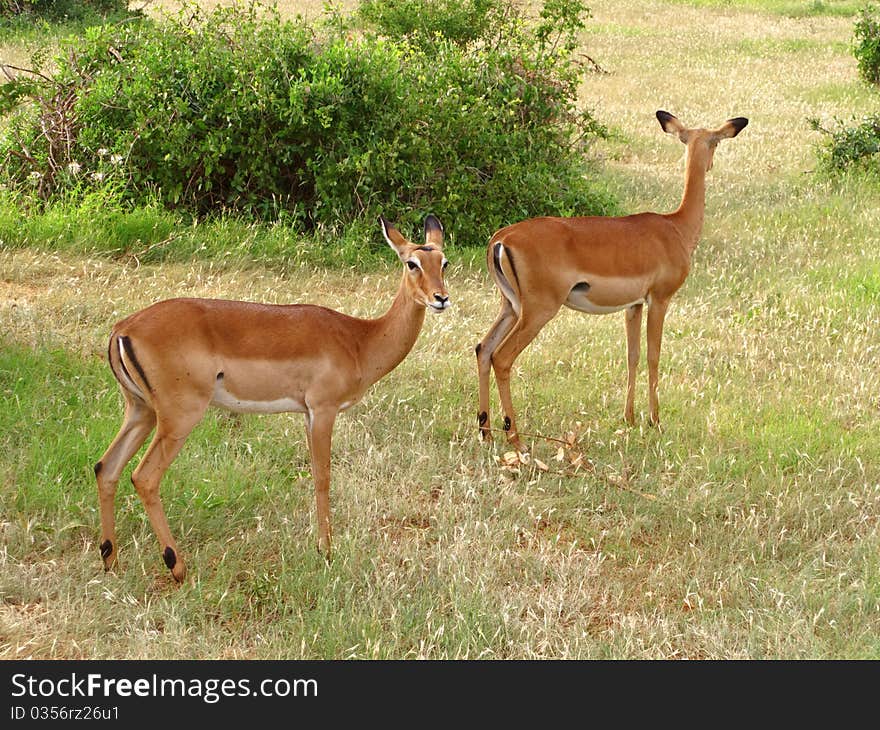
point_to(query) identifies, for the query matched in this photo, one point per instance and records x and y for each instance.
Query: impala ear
(671, 125)
(433, 231)
(393, 236)
(732, 127)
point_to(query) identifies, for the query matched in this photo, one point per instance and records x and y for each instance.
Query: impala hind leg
(319, 423)
(166, 445)
(521, 334)
(137, 424)
(485, 349)
(656, 315)
(633, 337)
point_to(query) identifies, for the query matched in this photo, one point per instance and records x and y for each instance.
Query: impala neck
(390, 338)
(689, 215)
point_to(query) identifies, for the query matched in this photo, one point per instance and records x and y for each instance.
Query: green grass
(29, 41)
(63, 18)
(790, 8)
(100, 226)
(746, 527)
(809, 47)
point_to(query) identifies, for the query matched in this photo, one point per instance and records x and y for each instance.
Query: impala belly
(604, 295)
(582, 304)
(224, 399)
(271, 386)
(261, 386)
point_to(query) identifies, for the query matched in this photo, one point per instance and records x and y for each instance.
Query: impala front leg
(633, 338)
(656, 315)
(320, 426)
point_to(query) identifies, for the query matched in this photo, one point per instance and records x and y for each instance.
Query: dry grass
(746, 528)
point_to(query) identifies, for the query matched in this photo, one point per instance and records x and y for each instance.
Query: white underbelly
(582, 304)
(224, 399)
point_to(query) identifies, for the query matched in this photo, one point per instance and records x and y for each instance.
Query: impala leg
(656, 315)
(523, 332)
(320, 427)
(633, 337)
(166, 445)
(485, 349)
(308, 416)
(137, 424)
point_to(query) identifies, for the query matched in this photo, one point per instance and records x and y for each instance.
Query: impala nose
(440, 301)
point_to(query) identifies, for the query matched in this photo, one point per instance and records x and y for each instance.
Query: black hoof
(106, 549)
(169, 557)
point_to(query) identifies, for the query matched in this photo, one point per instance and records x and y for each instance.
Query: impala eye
(412, 265)
(445, 264)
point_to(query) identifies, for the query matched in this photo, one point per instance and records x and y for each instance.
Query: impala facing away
(178, 357)
(598, 265)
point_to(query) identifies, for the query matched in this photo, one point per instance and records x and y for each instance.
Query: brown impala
(598, 265)
(178, 357)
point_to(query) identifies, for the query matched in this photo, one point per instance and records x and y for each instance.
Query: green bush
(855, 147)
(421, 21)
(866, 46)
(237, 110)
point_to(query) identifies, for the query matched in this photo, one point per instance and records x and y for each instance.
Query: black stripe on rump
(126, 344)
(124, 370)
(513, 269)
(497, 255)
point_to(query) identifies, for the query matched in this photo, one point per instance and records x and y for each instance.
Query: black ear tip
(432, 223)
(663, 116)
(383, 221)
(738, 124)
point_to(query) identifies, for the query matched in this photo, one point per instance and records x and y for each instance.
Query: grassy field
(747, 527)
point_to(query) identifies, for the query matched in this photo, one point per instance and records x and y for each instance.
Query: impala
(598, 265)
(176, 358)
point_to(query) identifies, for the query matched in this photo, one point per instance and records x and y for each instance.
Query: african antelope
(176, 358)
(598, 265)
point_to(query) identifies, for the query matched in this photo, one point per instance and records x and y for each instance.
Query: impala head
(701, 142)
(424, 264)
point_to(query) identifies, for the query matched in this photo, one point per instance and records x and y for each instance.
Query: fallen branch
(9, 76)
